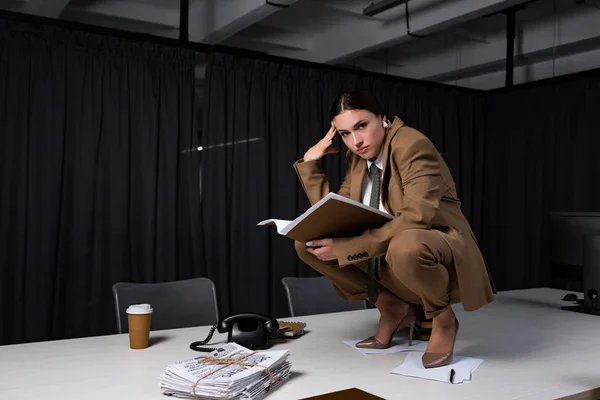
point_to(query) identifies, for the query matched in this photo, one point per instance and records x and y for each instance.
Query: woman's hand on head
(322, 249)
(322, 147)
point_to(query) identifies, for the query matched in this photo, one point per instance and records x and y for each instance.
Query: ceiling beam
(382, 6)
(213, 21)
(533, 72)
(576, 28)
(460, 33)
(373, 65)
(353, 37)
(264, 43)
(46, 8)
(144, 12)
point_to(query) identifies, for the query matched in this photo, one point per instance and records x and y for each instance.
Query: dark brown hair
(356, 100)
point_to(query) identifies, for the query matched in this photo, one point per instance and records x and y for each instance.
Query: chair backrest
(178, 304)
(315, 295)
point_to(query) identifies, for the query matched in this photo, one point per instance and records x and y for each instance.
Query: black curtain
(261, 116)
(95, 183)
(541, 156)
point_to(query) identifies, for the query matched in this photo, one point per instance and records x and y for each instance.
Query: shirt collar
(378, 161)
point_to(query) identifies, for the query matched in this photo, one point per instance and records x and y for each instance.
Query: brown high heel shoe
(434, 360)
(408, 319)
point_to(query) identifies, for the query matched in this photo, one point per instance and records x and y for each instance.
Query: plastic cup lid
(139, 309)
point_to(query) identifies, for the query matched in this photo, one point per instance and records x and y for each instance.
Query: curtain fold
(260, 117)
(542, 143)
(95, 186)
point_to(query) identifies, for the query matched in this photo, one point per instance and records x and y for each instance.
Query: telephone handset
(248, 330)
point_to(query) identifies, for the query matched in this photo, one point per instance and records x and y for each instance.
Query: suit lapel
(358, 174)
(386, 172)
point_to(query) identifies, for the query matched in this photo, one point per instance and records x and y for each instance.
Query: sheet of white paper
(279, 223)
(398, 345)
(413, 366)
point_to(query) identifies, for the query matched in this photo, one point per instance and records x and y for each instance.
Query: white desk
(531, 350)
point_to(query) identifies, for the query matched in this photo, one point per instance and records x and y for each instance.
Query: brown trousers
(418, 268)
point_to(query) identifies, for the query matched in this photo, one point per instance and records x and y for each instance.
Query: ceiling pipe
(184, 19)
(510, 46)
(511, 27)
(378, 8)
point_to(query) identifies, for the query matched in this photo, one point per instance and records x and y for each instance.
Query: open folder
(331, 217)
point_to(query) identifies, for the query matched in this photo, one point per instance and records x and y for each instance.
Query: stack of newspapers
(229, 372)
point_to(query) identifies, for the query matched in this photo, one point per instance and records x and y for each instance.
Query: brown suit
(419, 191)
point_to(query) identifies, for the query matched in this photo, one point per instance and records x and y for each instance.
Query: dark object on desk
(592, 298)
(248, 330)
(348, 394)
(290, 329)
(570, 297)
(574, 251)
(589, 305)
(575, 241)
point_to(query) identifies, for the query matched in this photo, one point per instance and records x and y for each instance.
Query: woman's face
(362, 131)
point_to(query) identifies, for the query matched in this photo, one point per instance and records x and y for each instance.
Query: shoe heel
(434, 360)
(411, 332)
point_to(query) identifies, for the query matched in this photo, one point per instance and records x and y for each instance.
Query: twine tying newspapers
(226, 363)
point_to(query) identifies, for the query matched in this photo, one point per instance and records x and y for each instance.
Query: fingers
(322, 146)
(326, 142)
(328, 138)
(321, 249)
(330, 133)
(325, 149)
(318, 252)
(320, 242)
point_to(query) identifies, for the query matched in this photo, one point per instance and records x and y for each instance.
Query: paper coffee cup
(139, 317)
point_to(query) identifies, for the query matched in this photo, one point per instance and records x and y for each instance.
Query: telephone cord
(195, 345)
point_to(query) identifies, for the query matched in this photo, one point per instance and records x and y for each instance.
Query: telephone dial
(248, 330)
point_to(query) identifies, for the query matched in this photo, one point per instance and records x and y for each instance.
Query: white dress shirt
(367, 184)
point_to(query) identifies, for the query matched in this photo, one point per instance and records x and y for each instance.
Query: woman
(426, 257)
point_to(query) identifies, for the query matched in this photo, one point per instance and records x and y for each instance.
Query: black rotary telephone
(248, 330)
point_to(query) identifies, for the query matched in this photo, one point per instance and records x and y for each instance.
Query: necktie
(374, 271)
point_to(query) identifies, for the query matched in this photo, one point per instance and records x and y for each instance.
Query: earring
(385, 124)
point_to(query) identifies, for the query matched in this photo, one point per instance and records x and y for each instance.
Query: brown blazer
(419, 191)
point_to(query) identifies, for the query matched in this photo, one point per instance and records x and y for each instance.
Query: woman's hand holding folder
(322, 249)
